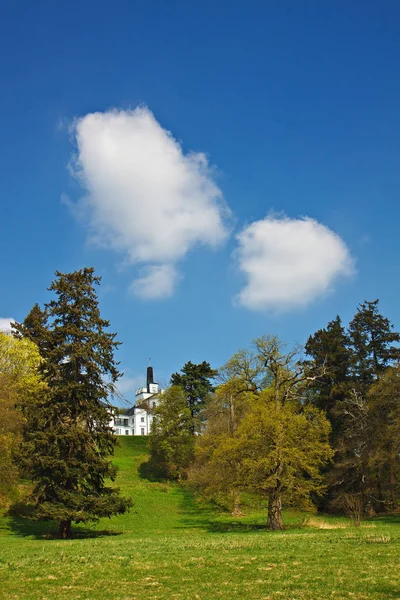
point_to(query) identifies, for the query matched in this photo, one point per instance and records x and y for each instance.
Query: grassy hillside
(167, 548)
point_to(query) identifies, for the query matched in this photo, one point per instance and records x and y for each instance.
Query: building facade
(138, 419)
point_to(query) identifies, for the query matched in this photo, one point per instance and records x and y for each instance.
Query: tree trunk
(236, 512)
(65, 529)
(274, 521)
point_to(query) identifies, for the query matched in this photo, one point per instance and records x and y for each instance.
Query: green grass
(168, 548)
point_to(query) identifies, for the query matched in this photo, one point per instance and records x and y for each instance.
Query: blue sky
(270, 207)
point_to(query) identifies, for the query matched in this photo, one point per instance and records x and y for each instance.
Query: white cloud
(128, 384)
(146, 198)
(289, 262)
(158, 281)
(5, 324)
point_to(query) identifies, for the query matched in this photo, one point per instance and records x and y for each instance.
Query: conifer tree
(372, 341)
(329, 347)
(68, 440)
(34, 327)
(195, 379)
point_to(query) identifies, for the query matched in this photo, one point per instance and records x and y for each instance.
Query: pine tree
(329, 347)
(195, 379)
(34, 327)
(372, 338)
(68, 440)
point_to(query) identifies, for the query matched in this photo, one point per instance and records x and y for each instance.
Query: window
(154, 404)
(126, 422)
(117, 432)
(142, 419)
(142, 431)
(126, 431)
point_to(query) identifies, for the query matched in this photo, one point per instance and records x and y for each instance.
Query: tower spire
(149, 378)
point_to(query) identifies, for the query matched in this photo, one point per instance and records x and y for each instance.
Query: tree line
(314, 426)
(317, 426)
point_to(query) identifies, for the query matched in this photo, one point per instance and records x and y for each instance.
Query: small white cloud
(128, 384)
(145, 197)
(158, 281)
(289, 262)
(5, 324)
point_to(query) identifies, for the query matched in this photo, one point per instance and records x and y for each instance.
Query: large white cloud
(5, 324)
(145, 197)
(289, 262)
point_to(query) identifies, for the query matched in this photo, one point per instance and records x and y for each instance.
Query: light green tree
(20, 384)
(282, 448)
(215, 472)
(171, 438)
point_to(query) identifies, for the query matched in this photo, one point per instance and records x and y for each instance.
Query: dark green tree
(34, 327)
(355, 361)
(328, 348)
(373, 342)
(384, 455)
(67, 439)
(195, 379)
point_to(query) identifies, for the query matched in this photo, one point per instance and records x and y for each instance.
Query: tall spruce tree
(68, 440)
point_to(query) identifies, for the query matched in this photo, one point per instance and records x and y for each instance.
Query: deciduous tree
(282, 448)
(171, 438)
(20, 384)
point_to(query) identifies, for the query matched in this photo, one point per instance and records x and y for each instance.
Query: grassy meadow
(167, 547)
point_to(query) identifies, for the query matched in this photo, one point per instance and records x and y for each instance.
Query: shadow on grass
(390, 519)
(151, 472)
(48, 530)
(387, 592)
(210, 520)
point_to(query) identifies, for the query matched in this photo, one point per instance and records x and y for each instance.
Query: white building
(137, 420)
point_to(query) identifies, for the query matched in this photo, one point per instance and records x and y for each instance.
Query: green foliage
(67, 438)
(20, 384)
(34, 328)
(266, 441)
(195, 379)
(215, 473)
(356, 405)
(372, 338)
(328, 348)
(384, 454)
(171, 438)
(281, 448)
